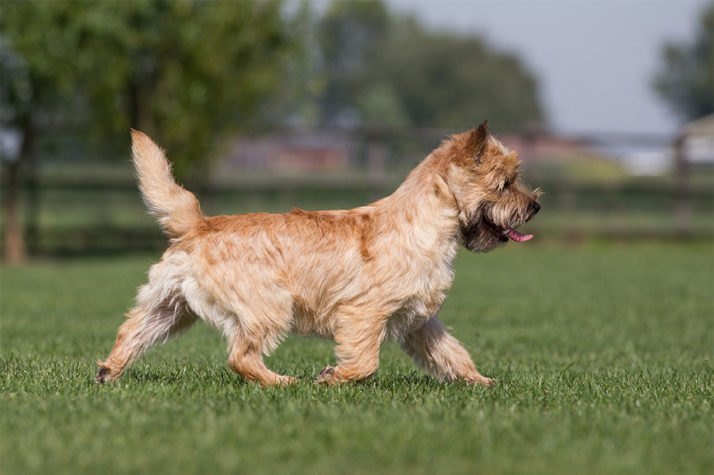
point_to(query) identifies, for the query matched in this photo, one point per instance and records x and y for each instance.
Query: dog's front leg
(359, 339)
(441, 355)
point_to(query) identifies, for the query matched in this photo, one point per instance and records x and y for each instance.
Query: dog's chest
(430, 282)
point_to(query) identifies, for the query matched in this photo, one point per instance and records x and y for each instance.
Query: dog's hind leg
(161, 311)
(441, 355)
(143, 328)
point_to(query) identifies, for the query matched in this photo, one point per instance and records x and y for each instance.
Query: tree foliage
(455, 81)
(686, 77)
(349, 34)
(388, 70)
(183, 70)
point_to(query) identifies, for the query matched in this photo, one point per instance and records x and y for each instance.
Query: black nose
(535, 206)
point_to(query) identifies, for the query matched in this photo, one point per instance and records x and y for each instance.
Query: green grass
(603, 356)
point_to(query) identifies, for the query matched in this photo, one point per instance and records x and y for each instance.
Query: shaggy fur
(357, 276)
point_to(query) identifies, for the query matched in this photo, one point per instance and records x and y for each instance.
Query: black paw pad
(99, 379)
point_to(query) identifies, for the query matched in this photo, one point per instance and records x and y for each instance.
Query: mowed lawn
(603, 355)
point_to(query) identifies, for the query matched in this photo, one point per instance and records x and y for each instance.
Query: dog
(357, 276)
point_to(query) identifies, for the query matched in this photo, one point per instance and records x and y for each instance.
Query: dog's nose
(535, 206)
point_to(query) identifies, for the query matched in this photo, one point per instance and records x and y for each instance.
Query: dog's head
(482, 175)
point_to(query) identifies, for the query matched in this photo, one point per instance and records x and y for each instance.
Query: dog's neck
(424, 203)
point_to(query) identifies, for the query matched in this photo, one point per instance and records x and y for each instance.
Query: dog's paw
(326, 376)
(480, 380)
(283, 380)
(488, 382)
(104, 374)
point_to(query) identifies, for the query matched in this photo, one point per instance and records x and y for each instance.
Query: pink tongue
(518, 237)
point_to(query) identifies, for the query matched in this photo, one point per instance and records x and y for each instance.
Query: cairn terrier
(357, 276)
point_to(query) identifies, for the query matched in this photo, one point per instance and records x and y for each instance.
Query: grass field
(603, 355)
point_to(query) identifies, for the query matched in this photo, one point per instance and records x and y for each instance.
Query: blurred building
(696, 142)
(302, 151)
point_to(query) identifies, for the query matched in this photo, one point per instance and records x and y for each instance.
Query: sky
(594, 59)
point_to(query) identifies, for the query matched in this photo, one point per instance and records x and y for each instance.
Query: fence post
(682, 211)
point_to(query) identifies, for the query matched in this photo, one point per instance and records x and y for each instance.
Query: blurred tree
(350, 34)
(184, 71)
(385, 70)
(379, 105)
(686, 77)
(449, 80)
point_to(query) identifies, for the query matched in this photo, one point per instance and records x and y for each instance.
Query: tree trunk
(32, 202)
(13, 250)
(14, 247)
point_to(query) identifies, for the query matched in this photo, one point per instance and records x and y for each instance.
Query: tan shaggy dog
(357, 276)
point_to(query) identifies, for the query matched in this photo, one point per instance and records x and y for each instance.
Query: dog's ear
(476, 139)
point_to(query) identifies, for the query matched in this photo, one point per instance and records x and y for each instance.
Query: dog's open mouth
(518, 237)
(483, 226)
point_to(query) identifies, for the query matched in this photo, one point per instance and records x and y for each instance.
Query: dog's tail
(176, 208)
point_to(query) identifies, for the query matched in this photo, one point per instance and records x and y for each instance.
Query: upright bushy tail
(176, 209)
